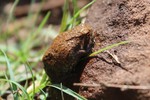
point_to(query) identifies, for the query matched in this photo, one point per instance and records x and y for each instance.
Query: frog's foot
(82, 53)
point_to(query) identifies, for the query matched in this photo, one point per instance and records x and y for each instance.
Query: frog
(67, 50)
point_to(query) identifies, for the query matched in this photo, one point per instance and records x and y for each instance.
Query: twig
(117, 62)
(122, 87)
(114, 57)
(24, 9)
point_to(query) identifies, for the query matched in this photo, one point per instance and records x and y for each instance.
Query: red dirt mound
(115, 21)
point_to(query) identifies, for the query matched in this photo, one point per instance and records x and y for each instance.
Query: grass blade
(81, 10)
(16, 84)
(68, 91)
(11, 74)
(44, 78)
(27, 44)
(65, 16)
(10, 70)
(108, 47)
(39, 85)
(33, 80)
(75, 10)
(45, 95)
(12, 10)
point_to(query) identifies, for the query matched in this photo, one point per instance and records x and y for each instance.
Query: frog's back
(62, 54)
(61, 42)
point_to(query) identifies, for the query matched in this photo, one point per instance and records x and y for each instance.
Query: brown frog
(67, 49)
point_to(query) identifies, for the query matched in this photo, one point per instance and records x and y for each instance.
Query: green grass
(27, 82)
(19, 55)
(108, 47)
(68, 91)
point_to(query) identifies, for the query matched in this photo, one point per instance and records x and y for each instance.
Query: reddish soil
(115, 21)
